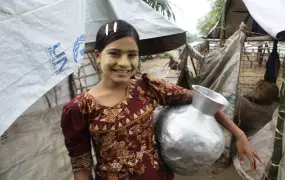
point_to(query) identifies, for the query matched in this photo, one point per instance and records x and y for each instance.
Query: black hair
(113, 31)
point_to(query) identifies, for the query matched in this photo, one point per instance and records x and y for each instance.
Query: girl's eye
(114, 54)
(133, 55)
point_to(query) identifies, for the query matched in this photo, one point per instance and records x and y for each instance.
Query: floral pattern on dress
(123, 136)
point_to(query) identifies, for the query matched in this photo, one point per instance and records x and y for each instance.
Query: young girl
(116, 115)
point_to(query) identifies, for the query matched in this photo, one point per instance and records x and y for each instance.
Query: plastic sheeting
(149, 23)
(269, 15)
(263, 143)
(219, 72)
(42, 43)
(157, 34)
(281, 172)
(33, 148)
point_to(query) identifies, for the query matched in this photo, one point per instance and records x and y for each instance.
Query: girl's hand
(244, 148)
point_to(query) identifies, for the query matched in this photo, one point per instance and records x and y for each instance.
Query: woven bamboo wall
(86, 76)
(253, 67)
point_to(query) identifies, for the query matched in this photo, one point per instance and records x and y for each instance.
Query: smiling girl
(116, 115)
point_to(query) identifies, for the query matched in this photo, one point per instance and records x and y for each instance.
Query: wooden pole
(248, 39)
(194, 67)
(223, 25)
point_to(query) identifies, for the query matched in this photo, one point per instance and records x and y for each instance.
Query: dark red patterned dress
(123, 135)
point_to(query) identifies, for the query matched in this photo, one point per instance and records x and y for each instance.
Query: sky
(187, 12)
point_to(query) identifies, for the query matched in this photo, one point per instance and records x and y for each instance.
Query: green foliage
(207, 22)
(161, 6)
(191, 37)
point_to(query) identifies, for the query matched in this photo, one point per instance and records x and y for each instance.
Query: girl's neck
(111, 85)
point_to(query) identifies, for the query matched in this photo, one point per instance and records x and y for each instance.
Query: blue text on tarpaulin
(58, 60)
(80, 40)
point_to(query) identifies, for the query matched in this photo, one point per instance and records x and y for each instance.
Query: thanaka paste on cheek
(107, 64)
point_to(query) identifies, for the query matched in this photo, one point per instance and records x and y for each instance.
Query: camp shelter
(263, 25)
(261, 18)
(43, 43)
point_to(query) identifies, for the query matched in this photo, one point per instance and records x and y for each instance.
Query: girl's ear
(97, 56)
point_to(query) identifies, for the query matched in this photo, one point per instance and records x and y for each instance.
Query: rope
(279, 138)
(277, 130)
(280, 117)
(275, 165)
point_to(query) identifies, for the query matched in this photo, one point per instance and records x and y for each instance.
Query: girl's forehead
(124, 44)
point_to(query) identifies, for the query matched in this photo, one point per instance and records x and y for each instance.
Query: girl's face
(119, 60)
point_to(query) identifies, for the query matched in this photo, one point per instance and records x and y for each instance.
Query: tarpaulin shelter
(157, 34)
(40, 36)
(42, 43)
(261, 18)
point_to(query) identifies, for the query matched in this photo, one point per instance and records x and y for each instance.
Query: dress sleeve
(167, 93)
(76, 137)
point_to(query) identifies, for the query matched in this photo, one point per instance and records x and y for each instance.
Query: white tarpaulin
(263, 142)
(33, 147)
(219, 72)
(269, 14)
(149, 23)
(42, 42)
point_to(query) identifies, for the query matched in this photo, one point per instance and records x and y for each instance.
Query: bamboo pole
(248, 39)
(72, 86)
(278, 142)
(223, 25)
(259, 38)
(194, 67)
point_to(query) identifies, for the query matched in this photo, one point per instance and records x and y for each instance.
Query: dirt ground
(155, 67)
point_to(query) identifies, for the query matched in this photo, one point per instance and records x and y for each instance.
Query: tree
(161, 6)
(191, 37)
(207, 22)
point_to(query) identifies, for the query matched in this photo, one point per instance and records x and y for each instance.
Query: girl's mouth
(121, 71)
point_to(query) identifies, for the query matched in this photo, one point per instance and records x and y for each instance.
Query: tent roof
(266, 16)
(47, 38)
(156, 32)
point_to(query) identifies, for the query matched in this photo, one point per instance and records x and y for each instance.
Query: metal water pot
(189, 137)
